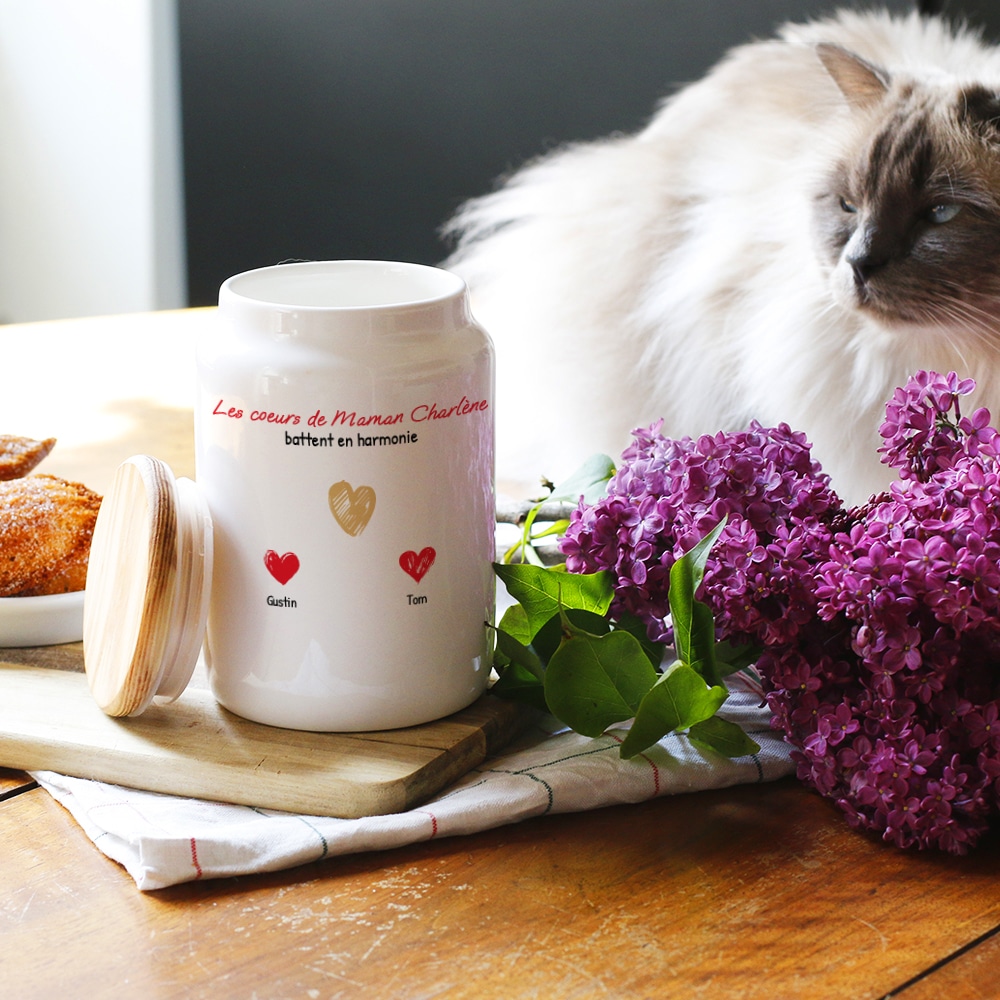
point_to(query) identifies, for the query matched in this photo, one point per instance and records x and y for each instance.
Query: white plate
(41, 621)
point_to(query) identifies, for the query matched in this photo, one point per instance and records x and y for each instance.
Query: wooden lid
(148, 585)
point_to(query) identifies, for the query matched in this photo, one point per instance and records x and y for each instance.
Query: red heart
(417, 564)
(282, 568)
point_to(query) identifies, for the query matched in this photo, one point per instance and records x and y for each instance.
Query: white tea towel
(162, 840)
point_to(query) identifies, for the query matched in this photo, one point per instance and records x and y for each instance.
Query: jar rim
(344, 285)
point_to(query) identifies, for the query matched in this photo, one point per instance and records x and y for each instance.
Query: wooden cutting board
(193, 747)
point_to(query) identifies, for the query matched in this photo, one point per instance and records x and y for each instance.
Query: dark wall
(353, 128)
(984, 14)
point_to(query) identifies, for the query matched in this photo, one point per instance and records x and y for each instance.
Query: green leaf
(573, 621)
(723, 737)
(526, 545)
(589, 481)
(541, 592)
(555, 528)
(689, 622)
(592, 683)
(702, 642)
(517, 652)
(518, 684)
(679, 699)
(730, 658)
(579, 621)
(515, 623)
(629, 623)
(527, 553)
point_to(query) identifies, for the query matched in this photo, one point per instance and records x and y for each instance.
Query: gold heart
(353, 508)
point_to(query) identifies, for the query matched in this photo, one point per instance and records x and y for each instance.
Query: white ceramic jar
(344, 446)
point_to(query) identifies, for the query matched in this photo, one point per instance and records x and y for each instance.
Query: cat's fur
(777, 244)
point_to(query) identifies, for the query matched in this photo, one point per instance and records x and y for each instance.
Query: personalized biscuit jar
(339, 537)
(344, 447)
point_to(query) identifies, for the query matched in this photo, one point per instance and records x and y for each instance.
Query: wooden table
(758, 891)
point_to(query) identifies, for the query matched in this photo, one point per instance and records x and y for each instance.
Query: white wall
(91, 201)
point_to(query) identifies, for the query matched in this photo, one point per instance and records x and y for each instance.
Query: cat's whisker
(954, 320)
(975, 319)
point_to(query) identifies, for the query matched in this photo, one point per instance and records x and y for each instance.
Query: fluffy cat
(788, 240)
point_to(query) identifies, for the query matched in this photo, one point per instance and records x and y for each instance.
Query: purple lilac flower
(879, 626)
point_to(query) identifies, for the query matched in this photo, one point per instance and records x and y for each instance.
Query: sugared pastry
(19, 455)
(46, 524)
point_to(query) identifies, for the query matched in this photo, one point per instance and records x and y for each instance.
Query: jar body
(344, 443)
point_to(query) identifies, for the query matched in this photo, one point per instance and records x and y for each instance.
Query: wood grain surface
(972, 974)
(12, 782)
(757, 893)
(193, 747)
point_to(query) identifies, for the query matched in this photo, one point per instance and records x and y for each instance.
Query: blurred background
(151, 148)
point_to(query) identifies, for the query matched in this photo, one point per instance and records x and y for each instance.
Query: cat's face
(909, 218)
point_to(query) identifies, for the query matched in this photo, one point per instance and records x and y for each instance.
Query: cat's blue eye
(940, 214)
(848, 206)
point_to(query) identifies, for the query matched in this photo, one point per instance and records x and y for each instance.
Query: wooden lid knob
(148, 587)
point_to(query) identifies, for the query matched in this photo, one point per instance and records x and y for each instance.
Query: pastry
(19, 455)
(46, 524)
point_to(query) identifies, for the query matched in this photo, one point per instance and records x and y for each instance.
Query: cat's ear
(863, 84)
